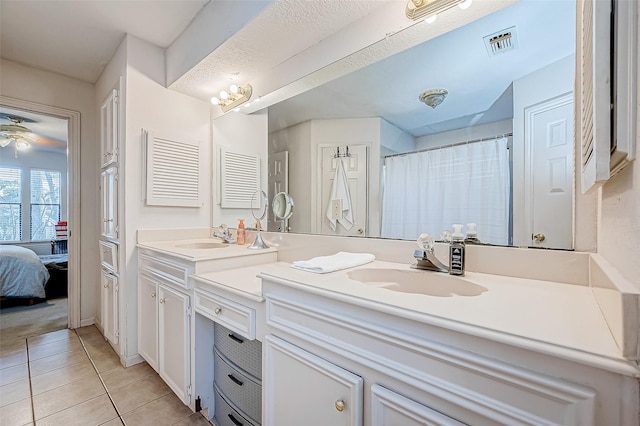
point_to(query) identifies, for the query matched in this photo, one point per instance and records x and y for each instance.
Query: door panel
(148, 320)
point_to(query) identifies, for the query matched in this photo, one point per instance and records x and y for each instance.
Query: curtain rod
(504, 135)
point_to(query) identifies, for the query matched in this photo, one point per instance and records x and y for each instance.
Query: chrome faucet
(224, 234)
(426, 258)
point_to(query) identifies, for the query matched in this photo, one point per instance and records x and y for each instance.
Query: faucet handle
(426, 242)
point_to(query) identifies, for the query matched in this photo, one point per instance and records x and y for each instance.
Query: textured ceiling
(78, 38)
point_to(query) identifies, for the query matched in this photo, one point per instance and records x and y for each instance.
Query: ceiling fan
(20, 135)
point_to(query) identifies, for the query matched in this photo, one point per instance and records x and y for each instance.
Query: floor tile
(97, 349)
(12, 345)
(14, 392)
(13, 374)
(54, 336)
(114, 422)
(53, 348)
(119, 377)
(95, 411)
(62, 376)
(139, 393)
(18, 413)
(11, 359)
(106, 362)
(93, 338)
(66, 396)
(167, 410)
(88, 330)
(53, 362)
(196, 419)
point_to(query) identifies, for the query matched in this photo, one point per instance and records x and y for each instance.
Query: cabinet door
(109, 129)
(391, 409)
(148, 320)
(302, 388)
(109, 210)
(174, 344)
(109, 303)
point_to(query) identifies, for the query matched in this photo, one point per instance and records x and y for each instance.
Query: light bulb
(224, 95)
(431, 19)
(465, 4)
(233, 88)
(215, 101)
(21, 145)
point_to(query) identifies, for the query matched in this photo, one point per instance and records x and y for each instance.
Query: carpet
(20, 322)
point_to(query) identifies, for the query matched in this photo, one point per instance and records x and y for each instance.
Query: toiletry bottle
(240, 238)
(456, 251)
(472, 235)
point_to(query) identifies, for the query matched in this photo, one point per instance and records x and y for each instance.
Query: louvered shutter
(239, 179)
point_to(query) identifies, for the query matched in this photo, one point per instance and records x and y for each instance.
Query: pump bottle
(240, 238)
(457, 251)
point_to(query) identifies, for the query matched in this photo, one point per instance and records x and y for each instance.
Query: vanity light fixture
(418, 9)
(232, 99)
(433, 97)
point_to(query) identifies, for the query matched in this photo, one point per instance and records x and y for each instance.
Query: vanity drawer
(109, 256)
(174, 273)
(226, 415)
(236, 317)
(246, 354)
(239, 389)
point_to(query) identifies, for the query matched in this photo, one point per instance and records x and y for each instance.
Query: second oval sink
(202, 246)
(421, 282)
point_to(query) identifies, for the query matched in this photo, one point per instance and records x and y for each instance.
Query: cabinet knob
(217, 311)
(153, 295)
(106, 285)
(340, 405)
(539, 237)
(161, 300)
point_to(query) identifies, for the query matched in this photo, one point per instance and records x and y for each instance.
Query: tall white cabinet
(109, 224)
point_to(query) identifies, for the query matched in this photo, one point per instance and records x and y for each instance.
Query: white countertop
(527, 313)
(194, 254)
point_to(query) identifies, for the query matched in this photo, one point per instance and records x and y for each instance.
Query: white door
(391, 409)
(549, 177)
(355, 167)
(148, 320)
(173, 341)
(109, 187)
(109, 304)
(278, 182)
(109, 129)
(303, 389)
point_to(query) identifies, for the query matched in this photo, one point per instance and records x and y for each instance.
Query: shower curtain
(431, 190)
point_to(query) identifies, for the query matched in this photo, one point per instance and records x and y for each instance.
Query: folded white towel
(335, 262)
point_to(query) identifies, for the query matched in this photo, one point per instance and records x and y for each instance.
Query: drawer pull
(153, 295)
(340, 405)
(234, 380)
(161, 300)
(235, 339)
(217, 311)
(234, 420)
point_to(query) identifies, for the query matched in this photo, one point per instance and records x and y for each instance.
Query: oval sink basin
(420, 282)
(202, 246)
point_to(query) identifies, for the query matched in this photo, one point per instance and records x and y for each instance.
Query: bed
(22, 273)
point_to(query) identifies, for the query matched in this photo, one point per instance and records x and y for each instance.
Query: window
(10, 205)
(45, 204)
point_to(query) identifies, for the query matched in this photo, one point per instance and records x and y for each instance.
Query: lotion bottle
(456, 251)
(240, 238)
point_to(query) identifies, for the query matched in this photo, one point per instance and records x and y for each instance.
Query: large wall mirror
(474, 126)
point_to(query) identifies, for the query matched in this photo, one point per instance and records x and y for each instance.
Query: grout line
(99, 377)
(33, 410)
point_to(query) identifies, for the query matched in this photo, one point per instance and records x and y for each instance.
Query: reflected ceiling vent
(501, 41)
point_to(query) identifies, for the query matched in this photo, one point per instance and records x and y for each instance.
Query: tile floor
(75, 378)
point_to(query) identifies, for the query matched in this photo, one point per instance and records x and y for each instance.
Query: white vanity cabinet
(109, 304)
(109, 203)
(164, 322)
(413, 373)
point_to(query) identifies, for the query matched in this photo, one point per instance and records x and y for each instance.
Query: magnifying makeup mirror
(259, 212)
(282, 206)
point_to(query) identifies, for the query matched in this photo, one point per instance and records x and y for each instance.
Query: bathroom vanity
(254, 341)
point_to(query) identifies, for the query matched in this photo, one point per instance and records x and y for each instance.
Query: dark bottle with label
(457, 252)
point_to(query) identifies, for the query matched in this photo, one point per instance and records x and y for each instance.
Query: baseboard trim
(87, 322)
(131, 360)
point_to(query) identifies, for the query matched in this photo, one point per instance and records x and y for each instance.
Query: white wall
(245, 134)
(468, 133)
(43, 87)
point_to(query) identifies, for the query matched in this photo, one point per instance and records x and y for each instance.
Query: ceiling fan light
(22, 145)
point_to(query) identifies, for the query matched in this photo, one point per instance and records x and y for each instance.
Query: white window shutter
(173, 172)
(595, 95)
(239, 179)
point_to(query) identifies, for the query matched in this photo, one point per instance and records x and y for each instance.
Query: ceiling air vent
(501, 41)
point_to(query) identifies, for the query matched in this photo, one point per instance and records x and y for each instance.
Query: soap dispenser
(472, 234)
(240, 237)
(456, 251)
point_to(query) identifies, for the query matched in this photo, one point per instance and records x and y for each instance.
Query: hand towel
(340, 190)
(335, 262)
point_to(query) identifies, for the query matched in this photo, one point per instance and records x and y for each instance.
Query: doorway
(70, 210)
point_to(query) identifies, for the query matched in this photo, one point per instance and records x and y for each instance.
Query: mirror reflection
(472, 126)
(282, 207)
